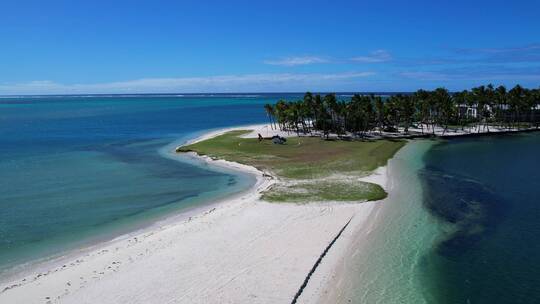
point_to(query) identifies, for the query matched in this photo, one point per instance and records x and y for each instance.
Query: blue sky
(55, 47)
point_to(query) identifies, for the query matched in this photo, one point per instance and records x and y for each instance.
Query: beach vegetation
(310, 169)
(434, 112)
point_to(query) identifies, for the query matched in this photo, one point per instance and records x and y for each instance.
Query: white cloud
(374, 57)
(477, 72)
(425, 75)
(225, 83)
(293, 61)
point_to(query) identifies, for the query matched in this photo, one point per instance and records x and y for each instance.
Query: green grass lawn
(312, 169)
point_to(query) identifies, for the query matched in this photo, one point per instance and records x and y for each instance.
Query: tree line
(474, 110)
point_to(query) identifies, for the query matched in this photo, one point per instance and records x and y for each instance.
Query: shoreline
(42, 265)
(30, 267)
(81, 278)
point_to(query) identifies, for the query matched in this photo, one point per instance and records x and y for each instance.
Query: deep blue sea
(79, 169)
(487, 193)
(461, 225)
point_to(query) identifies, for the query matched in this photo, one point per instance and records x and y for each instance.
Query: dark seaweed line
(491, 133)
(306, 280)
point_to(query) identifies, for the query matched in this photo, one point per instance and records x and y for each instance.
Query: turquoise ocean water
(79, 169)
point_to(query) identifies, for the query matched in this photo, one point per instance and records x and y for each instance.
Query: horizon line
(209, 93)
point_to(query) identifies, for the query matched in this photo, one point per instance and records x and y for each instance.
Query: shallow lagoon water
(381, 264)
(460, 226)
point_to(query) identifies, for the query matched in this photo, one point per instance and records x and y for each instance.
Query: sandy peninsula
(239, 250)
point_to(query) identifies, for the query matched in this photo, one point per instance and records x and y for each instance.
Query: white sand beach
(240, 250)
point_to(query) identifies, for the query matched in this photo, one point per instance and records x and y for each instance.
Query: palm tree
(536, 105)
(330, 102)
(406, 108)
(293, 115)
(307, 112)
(423, 108)
(529, 104)
(501, 108)
(444, 107)
(270, 113)
(480, 96)
(472, 104)
(364, 114)
(280, 111)
(379, 112)
(488, 106)
(515, 98)
(460, 100)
